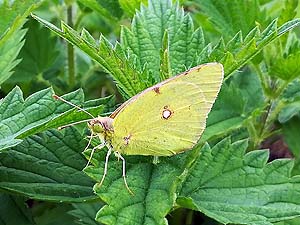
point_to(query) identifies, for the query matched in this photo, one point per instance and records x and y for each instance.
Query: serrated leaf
(9, 51)
(145, 38)
(112, 59)
(13, 16)
(40, 112)
(232, 187)
(85, 213)
(13, 210)
(19, 116)
(285, 64)
(37, 59)
(232, 59)
(230, 17)
(289, 11)
(153, 185)
(48, 167)
(140, 48)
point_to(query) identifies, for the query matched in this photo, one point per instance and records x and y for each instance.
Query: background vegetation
(239, 173)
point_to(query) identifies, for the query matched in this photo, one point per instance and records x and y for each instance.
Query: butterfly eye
(96, 127)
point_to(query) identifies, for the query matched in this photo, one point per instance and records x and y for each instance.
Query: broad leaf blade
(86, 212)
(13, 211)
(37, 113)
(235, 188)
(47, 167)
(153, 185)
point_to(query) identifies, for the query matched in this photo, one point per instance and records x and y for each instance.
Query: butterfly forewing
(169, 117)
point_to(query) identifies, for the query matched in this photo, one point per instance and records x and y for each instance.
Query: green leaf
(130, 6)
(47, 167)
(153, 185)
(50, 214)
(112, 6)
(295, 221)
(39, 112)
(238, 51)
(227, 113)
(291, 134)
(292, 91)
(145, 38)
(232, 187)
(37, 59)
(288, 111)
(9, 51)
(135, 63)
(285, 65)
(230, 112)
(85, 213)
(19, 116)
(13, 16)
(13, 210)
(230, 17)
(288, 12)
(112, 59)
(97, 5)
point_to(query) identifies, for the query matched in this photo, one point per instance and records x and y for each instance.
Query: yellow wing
(169, 117)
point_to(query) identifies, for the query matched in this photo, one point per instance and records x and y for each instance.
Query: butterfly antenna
(71, 124)
(70, 103)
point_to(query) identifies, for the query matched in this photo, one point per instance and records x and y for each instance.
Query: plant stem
(70, 48)
(262, 78)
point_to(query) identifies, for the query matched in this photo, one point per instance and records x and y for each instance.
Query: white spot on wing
(166, 114)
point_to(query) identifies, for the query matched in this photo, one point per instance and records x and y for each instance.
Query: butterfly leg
(105, 166)
(124, 171)
(93, 150)
(90, 140)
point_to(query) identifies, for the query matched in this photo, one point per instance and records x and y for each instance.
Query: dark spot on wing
(199, 69)
(126, 139)
(156, 89)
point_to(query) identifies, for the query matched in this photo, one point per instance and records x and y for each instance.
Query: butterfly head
(101, 125)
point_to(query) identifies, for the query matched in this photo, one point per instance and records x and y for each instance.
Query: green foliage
(245, 191)
(230, 17)
(224, 177)
(47, 172)
(13, 16)
(13, 211)
(86, 212)
(291, 134)
(38, 53)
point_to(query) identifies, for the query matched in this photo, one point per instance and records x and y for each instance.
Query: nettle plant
(229, 176)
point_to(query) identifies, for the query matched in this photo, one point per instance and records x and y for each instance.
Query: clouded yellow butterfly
(163, 120)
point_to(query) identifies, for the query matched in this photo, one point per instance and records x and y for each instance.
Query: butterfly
(163, 120)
